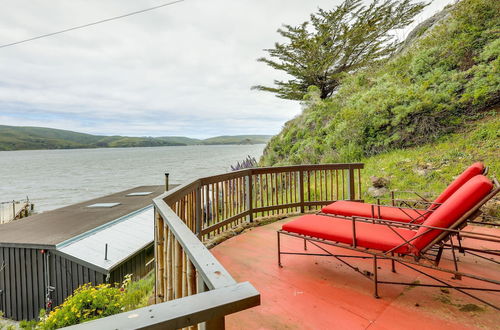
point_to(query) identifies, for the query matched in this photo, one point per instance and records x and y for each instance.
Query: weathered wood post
(213, 324)
(198, 212)
(177, 270)
(170, 266)
(166, 263)
(156, 255)
(248, 193)
(159, 257)
(350, 184)
(301, 191)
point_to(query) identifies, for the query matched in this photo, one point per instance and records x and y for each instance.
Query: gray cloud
(186, 69)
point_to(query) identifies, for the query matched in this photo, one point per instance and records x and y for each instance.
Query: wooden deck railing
(209, 206)
(212, 205)
(192, 287)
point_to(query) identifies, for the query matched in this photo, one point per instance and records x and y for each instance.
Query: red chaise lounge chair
(397, 241)
(404, 214)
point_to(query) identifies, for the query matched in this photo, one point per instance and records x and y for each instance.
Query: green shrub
(86, 303)
(90, 302)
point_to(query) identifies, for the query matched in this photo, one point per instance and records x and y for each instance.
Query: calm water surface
(56, 178)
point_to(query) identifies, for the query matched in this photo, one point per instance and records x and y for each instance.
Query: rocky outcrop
(425, 27)
(379, 186)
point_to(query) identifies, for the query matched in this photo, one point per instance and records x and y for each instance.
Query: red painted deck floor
(321, 293)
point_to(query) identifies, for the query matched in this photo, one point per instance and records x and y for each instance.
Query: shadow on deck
(321, 293)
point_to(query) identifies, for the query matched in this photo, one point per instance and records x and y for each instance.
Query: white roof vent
(140, 193)
(106, 205)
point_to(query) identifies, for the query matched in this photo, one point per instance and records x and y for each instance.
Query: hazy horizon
(115, 134)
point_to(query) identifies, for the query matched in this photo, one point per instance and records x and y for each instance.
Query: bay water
(57, 178)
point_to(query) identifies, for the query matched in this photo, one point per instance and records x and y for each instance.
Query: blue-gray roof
(125, 236)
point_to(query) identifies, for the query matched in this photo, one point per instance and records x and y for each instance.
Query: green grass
(139, 292)
(446, 158)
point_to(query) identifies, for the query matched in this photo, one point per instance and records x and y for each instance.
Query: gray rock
(379, 182)
(424, 169)
(377, 192)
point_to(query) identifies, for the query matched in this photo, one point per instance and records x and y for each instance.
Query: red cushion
(349, 208)
(453, 208)
(472, 171)
(378, 237)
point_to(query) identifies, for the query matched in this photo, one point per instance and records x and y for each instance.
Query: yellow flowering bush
(86, 303)
(90, 302)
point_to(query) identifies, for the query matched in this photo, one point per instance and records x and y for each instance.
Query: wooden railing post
(156, 215)
(215, 324)
(198, 212)
(350, 184)
(177, 270)
(249, 199)
(301, 191)
(159, 258)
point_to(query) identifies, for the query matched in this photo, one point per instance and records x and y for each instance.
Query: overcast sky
(184, 69)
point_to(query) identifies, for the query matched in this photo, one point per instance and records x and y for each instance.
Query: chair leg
(279, 251)
(305, 244)
(375, 277)
(455, 264)
(393, 263)
(438, 256)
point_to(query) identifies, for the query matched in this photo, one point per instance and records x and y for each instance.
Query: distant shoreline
(131, 147)
(16, 138)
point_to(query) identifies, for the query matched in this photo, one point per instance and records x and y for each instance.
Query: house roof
(124, 237)
(48, 229)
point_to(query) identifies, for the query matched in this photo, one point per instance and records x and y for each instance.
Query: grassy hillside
(181, 140)
(238, 139)
(16, 138)
(22, 138)
(441, 81)
(430, 168)
(30, 138)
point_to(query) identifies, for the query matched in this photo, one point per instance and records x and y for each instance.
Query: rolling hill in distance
(35, 138)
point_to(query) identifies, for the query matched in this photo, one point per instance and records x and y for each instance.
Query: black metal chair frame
(410, 204)
(429, 257)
